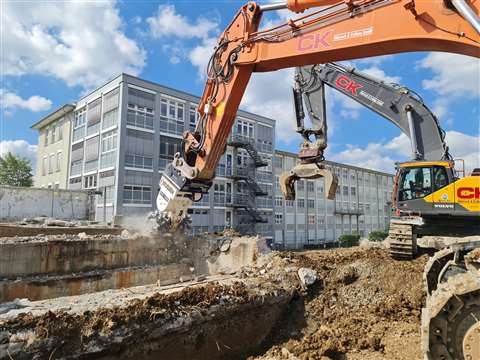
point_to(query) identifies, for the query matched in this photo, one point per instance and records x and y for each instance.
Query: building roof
(333, 163)
(53, 116)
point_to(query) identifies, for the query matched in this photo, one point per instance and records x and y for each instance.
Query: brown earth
(364, 306)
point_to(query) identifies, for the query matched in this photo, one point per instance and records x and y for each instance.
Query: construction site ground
(363, 305)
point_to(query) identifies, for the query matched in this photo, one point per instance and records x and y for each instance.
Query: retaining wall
(17, 203)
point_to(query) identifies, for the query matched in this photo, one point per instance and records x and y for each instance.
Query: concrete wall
(17, 203)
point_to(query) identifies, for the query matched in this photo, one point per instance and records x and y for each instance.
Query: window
(278, 162)
(59, 161)
(76, 180)
(245, 128)
(311, 219)
(219, 194)
(46, 138)
(289, 203)
(138, 161)
(140, 118)
(60, 132)
(172, 116)
(91, 165)
(311, 204)
(90, 182)
(140, 99)
(301, 203)
(52, 135)
(278, 219)
(345, 190)
(51, 163)
(278, 201)
(168, 147)
(415, 183)
(80, 118)
(76, 167)
(300, 185)
(109, 141)
(193, 115)
(440, 177)
(110, 118)
(310, 186)
(353, 191)
(133, 194)
(44, 165)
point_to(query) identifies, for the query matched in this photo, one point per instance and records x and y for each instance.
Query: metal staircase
(246, 143)
(245, 203)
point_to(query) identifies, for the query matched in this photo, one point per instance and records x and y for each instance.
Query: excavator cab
(422, 187)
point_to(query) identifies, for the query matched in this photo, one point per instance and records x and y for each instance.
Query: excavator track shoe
(451, 319)
(402, 241)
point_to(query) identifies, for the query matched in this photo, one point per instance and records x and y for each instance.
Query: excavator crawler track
(402, 241)
(451, 319)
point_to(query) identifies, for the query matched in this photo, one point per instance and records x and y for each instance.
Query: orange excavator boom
(332, 31)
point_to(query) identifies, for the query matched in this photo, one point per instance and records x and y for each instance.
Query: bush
(377, 235)
(349, 240)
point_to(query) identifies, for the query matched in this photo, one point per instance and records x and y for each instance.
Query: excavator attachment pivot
(308, 171)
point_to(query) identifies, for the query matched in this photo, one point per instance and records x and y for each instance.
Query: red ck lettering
(347, 84)
(468, 193)
(313, 41)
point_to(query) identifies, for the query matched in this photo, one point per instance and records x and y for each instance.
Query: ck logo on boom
(468, 193)
(348, 85)
(313, 41)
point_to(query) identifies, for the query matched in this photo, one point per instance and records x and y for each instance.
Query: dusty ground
(364, 306)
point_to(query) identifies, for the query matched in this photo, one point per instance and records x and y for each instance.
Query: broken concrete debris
(307, 276)
(245, 302)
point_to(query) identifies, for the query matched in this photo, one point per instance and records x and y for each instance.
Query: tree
(15, 171)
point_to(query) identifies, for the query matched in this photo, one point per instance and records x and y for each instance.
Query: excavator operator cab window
(440, 177)
(416, 183)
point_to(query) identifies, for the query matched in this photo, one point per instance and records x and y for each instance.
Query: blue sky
(53, 52)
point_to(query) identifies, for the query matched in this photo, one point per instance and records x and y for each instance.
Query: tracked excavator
(335, 30)
(430, 196)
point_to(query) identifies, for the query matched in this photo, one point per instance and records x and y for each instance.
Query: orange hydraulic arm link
(340, 30)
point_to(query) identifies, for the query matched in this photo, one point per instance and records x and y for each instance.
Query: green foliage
(377, 235)
(349, 240)
(15, 171)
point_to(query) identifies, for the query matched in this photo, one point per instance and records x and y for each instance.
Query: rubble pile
(333, 304)
(364, 305)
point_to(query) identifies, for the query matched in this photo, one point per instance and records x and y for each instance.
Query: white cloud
(456, 77)
(20, 148)
(379, 74)
(270, 94)
(11, 101)
(466, 147)
(383, 155)
(167, 22)
(169, 25)
(80, 43)
(200, 55)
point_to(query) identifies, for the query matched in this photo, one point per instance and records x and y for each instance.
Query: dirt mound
(365, 306)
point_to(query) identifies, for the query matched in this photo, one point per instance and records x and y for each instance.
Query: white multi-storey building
(362, 204)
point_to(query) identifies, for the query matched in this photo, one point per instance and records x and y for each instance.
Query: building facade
(127, 131)
(54, 148)
(362, 204)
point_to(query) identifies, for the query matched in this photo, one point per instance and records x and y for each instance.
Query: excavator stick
(308, 171)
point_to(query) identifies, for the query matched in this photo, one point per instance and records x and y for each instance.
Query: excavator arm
(398, 104)
(339, 30)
